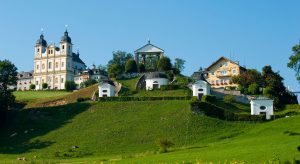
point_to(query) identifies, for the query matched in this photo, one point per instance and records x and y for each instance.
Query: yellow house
(220, 73)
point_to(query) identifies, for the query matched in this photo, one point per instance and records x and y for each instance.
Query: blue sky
(255, 32)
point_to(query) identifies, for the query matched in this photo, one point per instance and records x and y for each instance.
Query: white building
(156, 79)
(95, 74)
(200, 88)
(25, 79)
(262, 105)
(106, 89)
(55, 65)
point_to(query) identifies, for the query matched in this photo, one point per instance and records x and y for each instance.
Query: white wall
(258, 103)
(110, 90)
(201, 85)
(161, 81)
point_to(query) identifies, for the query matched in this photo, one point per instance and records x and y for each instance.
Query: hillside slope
(109, 129)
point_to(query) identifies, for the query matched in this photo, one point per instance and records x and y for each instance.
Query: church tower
(40, 47)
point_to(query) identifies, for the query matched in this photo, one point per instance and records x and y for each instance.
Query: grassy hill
(47, 98)
(126, 132)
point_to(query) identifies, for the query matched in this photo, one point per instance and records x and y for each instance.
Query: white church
(55, 65)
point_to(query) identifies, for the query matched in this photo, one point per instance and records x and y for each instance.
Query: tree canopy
(294, 61)
(271, 82)
(179, 64)
(164, 64)
(8, 77)
(131, 66)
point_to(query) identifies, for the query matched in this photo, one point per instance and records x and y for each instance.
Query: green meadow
(126, 132)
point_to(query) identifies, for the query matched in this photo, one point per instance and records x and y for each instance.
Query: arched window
(63, 47)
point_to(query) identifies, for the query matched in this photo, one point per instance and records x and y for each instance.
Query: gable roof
(224, 58)
(77, 59)
(149, 48)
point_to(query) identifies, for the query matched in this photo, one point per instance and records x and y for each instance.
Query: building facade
(25, 79)
(220, 73)
(106, 88)
(154, 80)
(94, 73)
(55, 65)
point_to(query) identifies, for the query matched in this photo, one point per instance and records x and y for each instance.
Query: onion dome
(41, 41)
(66, 38)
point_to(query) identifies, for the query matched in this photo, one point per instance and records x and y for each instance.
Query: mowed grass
(33, 99)
(109, 130)
(34, 95)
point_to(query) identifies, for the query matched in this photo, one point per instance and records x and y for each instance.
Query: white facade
(55, 65)
(106, 90)
(155, 83)
(262, 105)
(201, 88)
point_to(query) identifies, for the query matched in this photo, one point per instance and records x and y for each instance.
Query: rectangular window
(234, 71)
(43, 66)
(36, 82)
(226, 64)
(63, 47)
(48, 51)
(62, 80)
(56, 64)
(50, 65)
(212, 73)
(37, 66)
(62, 64)
(104, 91)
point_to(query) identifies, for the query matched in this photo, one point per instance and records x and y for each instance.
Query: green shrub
(267, 91)
(169, 87)
(32, 87)
(70, 85)
(88, 82)
(164, 145)
(208, 98)
(44, 85)
(229, 99)
(253, 89)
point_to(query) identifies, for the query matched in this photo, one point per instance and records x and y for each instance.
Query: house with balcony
(219, 74)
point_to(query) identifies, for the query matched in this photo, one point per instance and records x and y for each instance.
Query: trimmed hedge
(169, 87)
(142, 98)
(224, 114)
(208, 98)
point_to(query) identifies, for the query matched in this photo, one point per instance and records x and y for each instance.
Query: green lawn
(125, 132)
(34, 95)
(129, 83)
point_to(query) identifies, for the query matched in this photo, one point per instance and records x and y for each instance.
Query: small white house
(262, 105)
(106, 89)
(156, 79)
(200, 88)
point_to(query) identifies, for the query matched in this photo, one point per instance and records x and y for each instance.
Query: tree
(253, 89)
(248, 77)
(130, 66)
(164, 64)
(70, 85)
(120, 58)
(142, 67)
(276, 90)
(8, 77)
(294, 62)
(102, 67)
(89, 82)
(179, 64)
(114, 70)
(44, 85)
(32, 87)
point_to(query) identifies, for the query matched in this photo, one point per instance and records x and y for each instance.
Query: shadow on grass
(25, 125)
